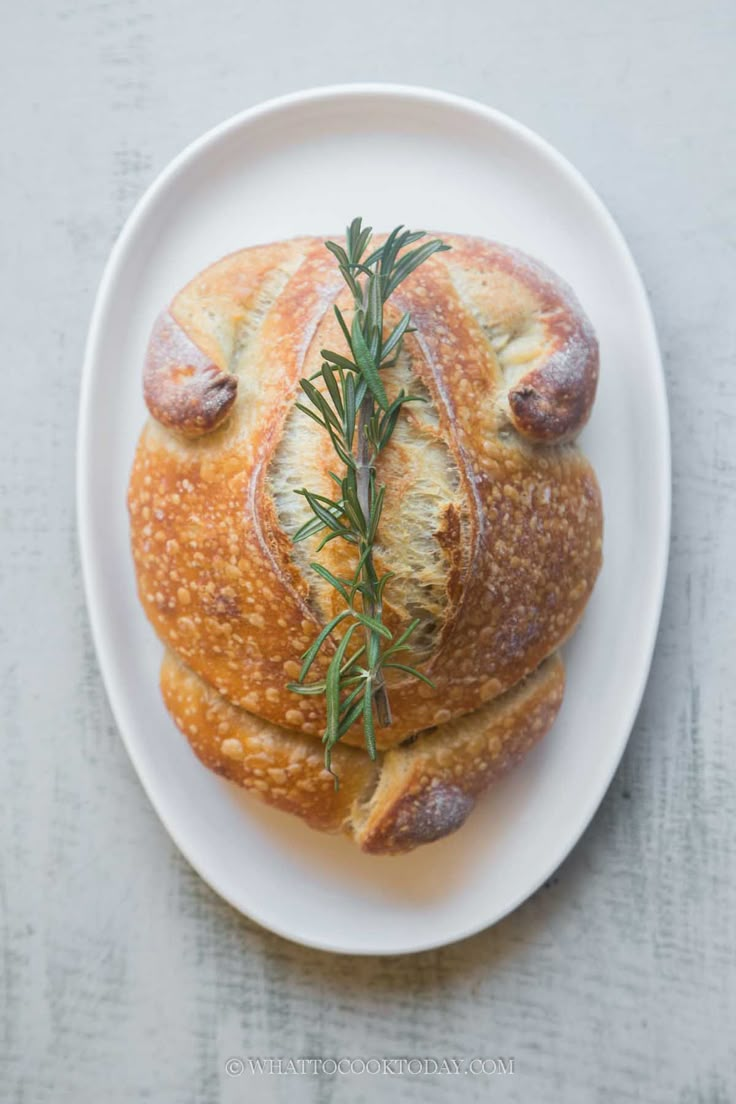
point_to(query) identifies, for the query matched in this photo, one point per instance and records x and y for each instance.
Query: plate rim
(659, 559)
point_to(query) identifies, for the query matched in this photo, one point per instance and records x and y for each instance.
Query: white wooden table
(124, 978)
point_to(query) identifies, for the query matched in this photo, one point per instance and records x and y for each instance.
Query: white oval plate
(306, 164)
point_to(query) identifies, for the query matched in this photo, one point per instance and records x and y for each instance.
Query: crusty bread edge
(411, 795)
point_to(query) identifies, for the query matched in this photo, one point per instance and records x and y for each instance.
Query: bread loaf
(492, 526)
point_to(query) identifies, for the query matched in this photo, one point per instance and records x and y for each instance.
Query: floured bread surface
(492, 521)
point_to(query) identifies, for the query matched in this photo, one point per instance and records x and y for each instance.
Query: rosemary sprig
(353, 408)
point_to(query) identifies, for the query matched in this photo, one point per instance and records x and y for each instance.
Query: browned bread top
(493, 521)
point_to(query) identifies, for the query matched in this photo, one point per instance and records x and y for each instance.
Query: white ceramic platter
(306, 164)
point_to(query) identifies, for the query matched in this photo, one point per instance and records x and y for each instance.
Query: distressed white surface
(124, 978)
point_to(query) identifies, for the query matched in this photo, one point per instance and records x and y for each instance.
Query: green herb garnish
(353, 408)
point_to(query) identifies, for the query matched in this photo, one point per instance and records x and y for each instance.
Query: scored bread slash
(354, 411)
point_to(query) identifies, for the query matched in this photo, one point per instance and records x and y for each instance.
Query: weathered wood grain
(124, 978)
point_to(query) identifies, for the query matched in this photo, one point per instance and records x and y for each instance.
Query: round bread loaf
(491, 525)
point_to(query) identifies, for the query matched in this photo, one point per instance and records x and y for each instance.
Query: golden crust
(427, 789)
(543, 341)
(411, 795)
(283, 767)
(521, 539)
(183, 389)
